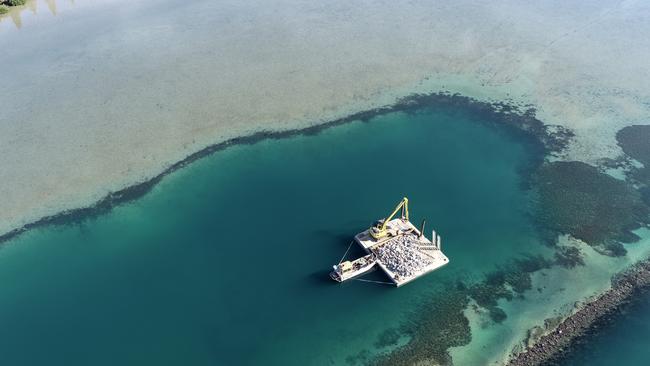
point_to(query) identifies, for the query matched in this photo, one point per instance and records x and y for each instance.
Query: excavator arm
(404, 206)
(379, 231)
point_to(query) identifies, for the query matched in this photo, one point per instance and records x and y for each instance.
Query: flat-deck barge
(397, 247)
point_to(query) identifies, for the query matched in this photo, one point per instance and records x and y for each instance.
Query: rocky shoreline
(558, 340)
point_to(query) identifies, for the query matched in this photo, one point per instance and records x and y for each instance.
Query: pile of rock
(402, 256)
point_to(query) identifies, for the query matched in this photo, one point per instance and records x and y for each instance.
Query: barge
(395, 246)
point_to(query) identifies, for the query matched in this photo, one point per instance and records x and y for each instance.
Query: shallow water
(150, 82)
(225, 262)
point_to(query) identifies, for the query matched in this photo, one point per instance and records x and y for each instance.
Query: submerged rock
(441, 323)
(577, 199)
(635, 142)
(569, 257)
(438, 325)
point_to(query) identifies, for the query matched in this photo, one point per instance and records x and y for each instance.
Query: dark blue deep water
(621, 343)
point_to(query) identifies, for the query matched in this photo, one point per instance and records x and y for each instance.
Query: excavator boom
(379, 231)
(404, 206)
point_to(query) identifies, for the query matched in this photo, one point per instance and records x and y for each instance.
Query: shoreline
(510, 118)
(588, 318)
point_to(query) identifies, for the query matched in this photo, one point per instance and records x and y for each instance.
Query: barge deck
(401, 251)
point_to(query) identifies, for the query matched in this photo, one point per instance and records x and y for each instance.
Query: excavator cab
(378, 229)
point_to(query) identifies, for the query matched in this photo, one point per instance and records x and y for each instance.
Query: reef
(440, 323)
(568, 257)
(511, 120)
(506, 283)
(435, 327)
(577, 199)
(571, 198)
(635, 142)
(619, 206)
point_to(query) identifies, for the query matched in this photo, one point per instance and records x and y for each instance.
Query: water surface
(225, 262)
(624, 342)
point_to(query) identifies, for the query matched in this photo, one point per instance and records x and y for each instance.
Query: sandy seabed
(97, 99)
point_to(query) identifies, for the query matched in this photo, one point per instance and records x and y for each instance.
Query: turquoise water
(225, 262)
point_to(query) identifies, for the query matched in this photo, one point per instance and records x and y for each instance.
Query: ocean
(623, 340)
(226, 261)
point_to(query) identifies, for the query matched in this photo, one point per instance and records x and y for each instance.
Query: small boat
(350, 269)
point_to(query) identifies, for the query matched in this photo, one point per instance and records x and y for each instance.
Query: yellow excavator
(378, 229)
